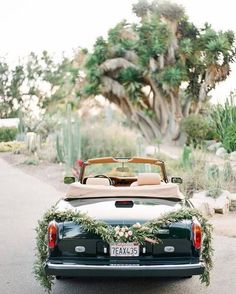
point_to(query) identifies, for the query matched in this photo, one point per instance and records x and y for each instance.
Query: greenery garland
(136, 233)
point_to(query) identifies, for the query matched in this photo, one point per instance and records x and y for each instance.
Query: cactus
(214, 181)
(68, 142)
(60, 154)
(214, 192)
(31, 142)
(213, 172)
(186, 157)
(21, 128)
(228, 175)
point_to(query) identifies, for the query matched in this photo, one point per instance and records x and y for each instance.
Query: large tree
(51, 81)
(10, 82)
(159, 70)
(40, 82)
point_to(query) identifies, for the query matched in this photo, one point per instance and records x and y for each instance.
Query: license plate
(124, 249)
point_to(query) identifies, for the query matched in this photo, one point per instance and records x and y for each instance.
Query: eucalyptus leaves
(136, 233)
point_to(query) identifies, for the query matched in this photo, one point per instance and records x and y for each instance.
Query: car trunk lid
(175, 239)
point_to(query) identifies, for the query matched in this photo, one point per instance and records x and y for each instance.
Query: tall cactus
(186, 157)
(21, 128)
(68, 141)
(60, 151)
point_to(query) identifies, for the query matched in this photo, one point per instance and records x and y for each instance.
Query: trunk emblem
(169, 249)
(79, 249)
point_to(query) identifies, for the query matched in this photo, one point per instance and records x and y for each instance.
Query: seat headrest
(98, 181)
(149, 179)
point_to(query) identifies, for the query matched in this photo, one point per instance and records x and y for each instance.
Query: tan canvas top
(169, 190)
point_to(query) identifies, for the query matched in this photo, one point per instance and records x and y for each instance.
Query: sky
(63, 25)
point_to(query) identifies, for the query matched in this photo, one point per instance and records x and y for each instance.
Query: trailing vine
(110, 234)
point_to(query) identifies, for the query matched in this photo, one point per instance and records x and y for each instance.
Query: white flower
(123, 229)
(121, 234)
(117, 228)
(126, 235)
(137, 226)
(130, 233)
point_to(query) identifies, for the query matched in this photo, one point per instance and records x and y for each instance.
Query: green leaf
(139, 233)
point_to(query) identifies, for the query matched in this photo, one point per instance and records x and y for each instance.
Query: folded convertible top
(165, 190)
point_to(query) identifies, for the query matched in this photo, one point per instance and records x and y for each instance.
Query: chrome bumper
(122, 266)
(70, 269)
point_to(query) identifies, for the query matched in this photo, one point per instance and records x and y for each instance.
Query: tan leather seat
(147, 179)
(98, 181)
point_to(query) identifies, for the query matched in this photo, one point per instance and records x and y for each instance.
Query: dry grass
(196, 175)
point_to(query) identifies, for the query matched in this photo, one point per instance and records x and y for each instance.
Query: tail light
(124, 203)
(52, 235)
(197, 235)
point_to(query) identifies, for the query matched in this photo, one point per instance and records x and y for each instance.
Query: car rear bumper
(173, 270)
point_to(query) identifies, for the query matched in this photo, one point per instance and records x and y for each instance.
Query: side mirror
(69, 180)
(176, 180)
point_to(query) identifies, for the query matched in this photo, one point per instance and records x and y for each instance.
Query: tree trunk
(165, 124)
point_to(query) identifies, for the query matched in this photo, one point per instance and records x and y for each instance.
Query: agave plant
(224, 116)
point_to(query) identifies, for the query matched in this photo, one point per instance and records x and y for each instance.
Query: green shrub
(229, 139)
(224, 116)
(93, 140)
(31, 161)
(196, 128)
(214, 192)
(113, 140)
(194, 178)
(212, 133)
(14, 146)
(7, 134)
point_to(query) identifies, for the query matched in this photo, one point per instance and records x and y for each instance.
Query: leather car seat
(147, 179)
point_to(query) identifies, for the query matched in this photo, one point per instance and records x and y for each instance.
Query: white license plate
(124, 249)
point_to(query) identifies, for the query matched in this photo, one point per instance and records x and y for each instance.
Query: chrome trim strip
(124, 267)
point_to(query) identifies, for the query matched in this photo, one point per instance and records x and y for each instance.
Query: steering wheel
(106, 177)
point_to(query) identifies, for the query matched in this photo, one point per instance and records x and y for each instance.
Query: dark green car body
(174, 256)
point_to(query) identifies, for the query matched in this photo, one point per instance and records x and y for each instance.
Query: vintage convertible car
(124, 191)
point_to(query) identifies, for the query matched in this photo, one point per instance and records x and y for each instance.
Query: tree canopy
(40, 82)
(159, 70)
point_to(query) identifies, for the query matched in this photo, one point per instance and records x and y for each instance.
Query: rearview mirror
(176, 180)
(69, 180)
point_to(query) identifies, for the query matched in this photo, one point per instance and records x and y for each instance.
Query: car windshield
(121, 169)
